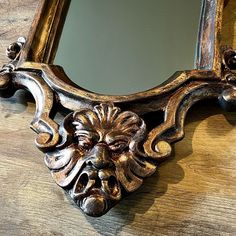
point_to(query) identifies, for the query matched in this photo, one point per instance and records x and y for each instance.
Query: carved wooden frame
(106, 145)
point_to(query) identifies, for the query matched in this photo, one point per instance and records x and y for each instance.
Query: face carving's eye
(118, 145)
(85, 143)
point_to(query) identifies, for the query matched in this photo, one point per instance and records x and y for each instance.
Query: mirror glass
(126, 46)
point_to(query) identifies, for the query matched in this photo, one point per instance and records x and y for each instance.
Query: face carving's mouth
(95, 190)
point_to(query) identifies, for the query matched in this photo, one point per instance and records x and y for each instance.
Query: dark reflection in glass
(127, 46)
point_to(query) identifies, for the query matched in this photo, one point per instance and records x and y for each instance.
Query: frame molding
(83, 153)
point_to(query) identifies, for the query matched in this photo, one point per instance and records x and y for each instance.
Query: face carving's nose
(100, 157)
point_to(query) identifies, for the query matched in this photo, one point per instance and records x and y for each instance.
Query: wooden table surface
(193, 193)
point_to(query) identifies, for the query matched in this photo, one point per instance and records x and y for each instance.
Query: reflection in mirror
(127, 46)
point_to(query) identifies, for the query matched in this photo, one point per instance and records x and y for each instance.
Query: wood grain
(194, 193)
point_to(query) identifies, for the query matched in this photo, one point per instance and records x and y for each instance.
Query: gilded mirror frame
(106, 145)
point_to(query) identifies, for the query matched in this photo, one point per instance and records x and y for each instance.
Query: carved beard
(96, 190)
(103, 158)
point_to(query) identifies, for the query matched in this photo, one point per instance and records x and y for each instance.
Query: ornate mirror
(107, 144)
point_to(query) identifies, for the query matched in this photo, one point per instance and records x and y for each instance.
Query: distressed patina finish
(106, 145)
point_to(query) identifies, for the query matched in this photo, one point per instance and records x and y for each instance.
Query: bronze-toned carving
(106, 145)
(99, 157)
(14, 49)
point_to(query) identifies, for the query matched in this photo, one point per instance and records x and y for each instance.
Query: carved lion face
(101, 160)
